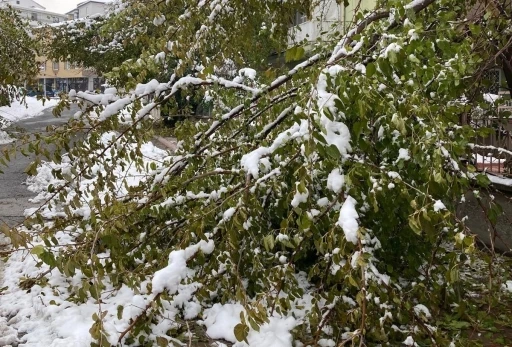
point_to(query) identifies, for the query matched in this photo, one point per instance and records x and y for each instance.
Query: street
(13, 193)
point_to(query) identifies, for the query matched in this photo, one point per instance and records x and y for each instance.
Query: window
(67, 66)
(42, 66)
(17, 2)
(56, 65)
(493, 78)
(33, 16)
(299, 18)
(55, 19)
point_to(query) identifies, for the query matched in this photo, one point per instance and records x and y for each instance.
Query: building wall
(23, 3)
(37, 16)
(63, 76)
(91, 8)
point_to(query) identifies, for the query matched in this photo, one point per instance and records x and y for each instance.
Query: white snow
(403, 153)
(170, 277)
(500, 180)
(507, 286)
(335, 181)
(220, 321)
(5, 138)
(33, 108)
(348, 220)
(439, 206)
(409, 341)
(422, 310)
(299, 197)
(491, 98)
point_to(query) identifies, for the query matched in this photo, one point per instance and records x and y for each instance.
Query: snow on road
(18, 111)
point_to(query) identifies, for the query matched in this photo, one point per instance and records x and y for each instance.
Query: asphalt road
(14, 195)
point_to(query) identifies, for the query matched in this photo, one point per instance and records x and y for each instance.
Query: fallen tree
(315, 208)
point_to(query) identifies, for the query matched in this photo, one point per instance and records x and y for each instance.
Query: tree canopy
(316, 207)
(17, 55)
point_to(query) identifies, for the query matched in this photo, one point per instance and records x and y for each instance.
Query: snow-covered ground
(33, 108)
(44, 317)
(18, 111)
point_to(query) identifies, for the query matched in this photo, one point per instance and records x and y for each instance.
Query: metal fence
(487, 155)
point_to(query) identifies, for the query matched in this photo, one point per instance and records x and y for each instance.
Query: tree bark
(507, 68)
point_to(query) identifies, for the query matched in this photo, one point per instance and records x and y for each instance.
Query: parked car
(32, 92)
(50, 93)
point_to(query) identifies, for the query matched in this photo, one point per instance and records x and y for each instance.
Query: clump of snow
(507, 286)
(220, 321)
(422, 311)
(409, 341)
(250, 161)
(299, 197)
(403, 153)
(5, 138)
(228, 214)
(335, 181)
(248, 72)
(170, 277)
(491, 98)
(439, 206)
(348, 220)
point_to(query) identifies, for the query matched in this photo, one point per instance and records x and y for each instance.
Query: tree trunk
(507, 68)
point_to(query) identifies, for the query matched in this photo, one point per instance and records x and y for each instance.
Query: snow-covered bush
(314, 208)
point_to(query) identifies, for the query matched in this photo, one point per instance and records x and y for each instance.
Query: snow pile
(48, 315)
(5, 138)
(220, 322)
(18, 111)
(44, 316)
(33, 108)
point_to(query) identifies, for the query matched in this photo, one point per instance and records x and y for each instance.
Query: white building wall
(23, 3)
(37, 17)
(91, 8)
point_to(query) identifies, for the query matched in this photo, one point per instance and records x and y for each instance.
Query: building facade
(58, 76)
(63, 76)
(88, 8)
(34, 13)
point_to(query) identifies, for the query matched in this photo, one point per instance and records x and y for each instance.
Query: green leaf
(37, 250)
(483, 180)
(370, 70)
(415, 224)
(241, 332)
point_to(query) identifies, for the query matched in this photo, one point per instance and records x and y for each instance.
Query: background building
(57, 76)
(34, 13)
(64, 76)
(329, 16)
(88, 8)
